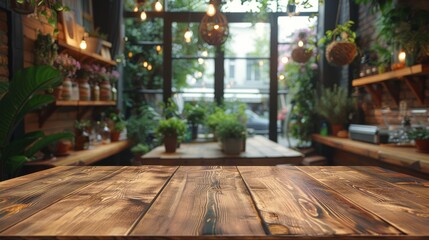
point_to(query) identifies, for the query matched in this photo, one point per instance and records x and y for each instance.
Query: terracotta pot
(336, 128)
(63, 147)
(93, 45)
(170, 144)
(114, 136)
(422, 145)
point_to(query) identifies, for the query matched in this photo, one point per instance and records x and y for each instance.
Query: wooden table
(244, 202)
(260, 151)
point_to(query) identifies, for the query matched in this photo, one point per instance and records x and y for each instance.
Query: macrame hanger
(338, 13)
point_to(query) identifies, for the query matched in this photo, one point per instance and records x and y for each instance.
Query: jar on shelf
(114, 93)
(82, 140)
(95, 93)
(66, 92)
(105, 134)
(84, 90)
(75, 91)
(105, 91)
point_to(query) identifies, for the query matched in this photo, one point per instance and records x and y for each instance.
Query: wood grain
(407, 211)
(108, 206)
(291, 202)
(14, 182)
(202, 201)
(21, 202)
(407, 182)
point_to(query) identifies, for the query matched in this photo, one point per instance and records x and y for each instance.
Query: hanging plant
(46, 8)
(301, 54)
(341, 47)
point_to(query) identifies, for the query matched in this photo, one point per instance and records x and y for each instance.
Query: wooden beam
(417, 87)
(393, 89)
(375, 93)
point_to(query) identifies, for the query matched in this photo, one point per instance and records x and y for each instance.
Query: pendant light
(214, 29)
(158, 6)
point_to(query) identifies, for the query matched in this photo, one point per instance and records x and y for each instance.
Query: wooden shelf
(406, 157)
(83, 157)
(83, 106)
(84, 56)
(410, 75)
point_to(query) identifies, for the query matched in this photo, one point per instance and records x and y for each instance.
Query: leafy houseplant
(118, 125)
(141, 125)
(341, 48)
(23, 95)
(335, 106)
(231, 132)
(170, 130)
(46, 8)
(421, 138)
(195, 114)
(45, 49)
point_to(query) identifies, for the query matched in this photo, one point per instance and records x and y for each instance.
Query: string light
(282, 77)
(188, 35)
(300, 43)
(143, 16)
(205, 53)
(285, 60)
(149, 67)
(130, 54)
(211, 10)
(158, 48)
(136, 9)
(145, 64)
(158, 6)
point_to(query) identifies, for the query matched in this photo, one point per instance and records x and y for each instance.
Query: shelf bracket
(375, 93)
(45, 113)
(417, 87)
(82, 111)
(393, 89)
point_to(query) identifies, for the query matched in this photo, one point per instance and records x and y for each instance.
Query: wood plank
(292, 203)
(407, 211)
(27, 199)
(106, 207)
(14, 182)
(416, 69)
(202, 201)
(407, 182)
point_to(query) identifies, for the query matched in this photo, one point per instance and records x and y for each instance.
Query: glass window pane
(290, 25)
(246, 40)
(250, 73)
(193, 73)
(195, 48)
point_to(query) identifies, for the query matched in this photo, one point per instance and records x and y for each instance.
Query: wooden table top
(259, 151)
(189, 202)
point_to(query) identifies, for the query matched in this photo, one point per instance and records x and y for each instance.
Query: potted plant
(231, 132)
(94, 41)
(421, 138)
(46, 8)
(195, 114)
(82, 135)
(170, 130)
(22, 95)
(335, 106)
(341, 48)
(68, 66)
(117, 125)
(45, 49)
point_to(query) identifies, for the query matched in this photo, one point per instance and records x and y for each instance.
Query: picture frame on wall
(70, 30)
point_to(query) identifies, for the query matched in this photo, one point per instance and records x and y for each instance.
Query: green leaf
(24, 85)
(45, 141)
(17, 147)
(14, 164)
(4, 87)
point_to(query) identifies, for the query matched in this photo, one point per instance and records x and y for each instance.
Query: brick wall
(373, 114)
(4, 69)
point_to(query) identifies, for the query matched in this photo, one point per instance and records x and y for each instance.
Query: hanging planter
(22, 7)
(301, 54)
(342, 48)
(340, 53)
(214, 29)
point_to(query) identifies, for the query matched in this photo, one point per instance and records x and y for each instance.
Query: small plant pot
(170, 144)
(422, 145)
(114, 136)
(232, 146)
(336, 128)
(93, 45)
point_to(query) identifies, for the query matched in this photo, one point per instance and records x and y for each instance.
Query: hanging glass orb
(214, 30)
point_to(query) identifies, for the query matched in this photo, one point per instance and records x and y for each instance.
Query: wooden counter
(83, 157)
(404, 157)
(260, 151)
(204, 202)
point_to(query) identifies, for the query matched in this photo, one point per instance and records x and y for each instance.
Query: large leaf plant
(21, 96)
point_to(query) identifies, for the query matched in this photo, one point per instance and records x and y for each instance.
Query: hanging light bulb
(136, 9)
(83, 44)
(158, 48)
(300, 43)
(211, 10)
(205, 53)
(130, 54)
(188, 35)
(145, 64)
(149, 67)
(143, 15)
(158, 6)
(285, 60)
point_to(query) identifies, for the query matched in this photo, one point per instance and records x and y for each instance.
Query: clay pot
(63, 147)
(170, 144)
(114, 136)
(336, 128)
(422, 145)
